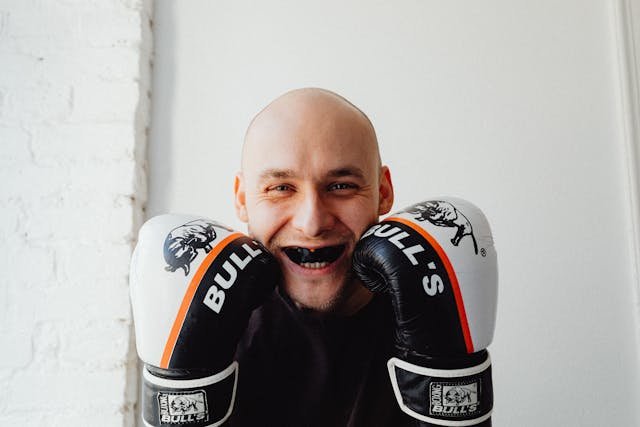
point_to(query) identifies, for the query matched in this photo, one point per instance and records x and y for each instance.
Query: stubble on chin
(336, 304)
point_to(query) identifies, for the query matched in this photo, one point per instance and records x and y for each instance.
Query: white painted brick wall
(74, 109)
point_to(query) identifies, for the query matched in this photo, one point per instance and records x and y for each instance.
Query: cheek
(264, 221)
(358, 216)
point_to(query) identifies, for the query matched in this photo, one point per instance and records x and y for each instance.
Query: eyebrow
(346, 171)
(276, 173)
(333, 173)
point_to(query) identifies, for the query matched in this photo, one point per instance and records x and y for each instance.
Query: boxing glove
(193, 285)
(437, 262)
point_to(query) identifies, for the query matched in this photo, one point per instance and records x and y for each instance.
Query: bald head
(310, 110)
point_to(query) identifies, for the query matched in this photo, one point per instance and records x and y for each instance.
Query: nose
(313, 216)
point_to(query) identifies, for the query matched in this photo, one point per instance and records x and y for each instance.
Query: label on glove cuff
(457, 397)
(183, 407)
(203, 402)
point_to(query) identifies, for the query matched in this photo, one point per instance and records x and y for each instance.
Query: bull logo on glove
(457, 396)
(183, 243)
(444, 214)
(184, 405)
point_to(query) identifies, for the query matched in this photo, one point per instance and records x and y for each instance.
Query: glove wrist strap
(443, 397)
(200, 402)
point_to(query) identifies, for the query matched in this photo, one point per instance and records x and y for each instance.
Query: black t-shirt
(301, 369)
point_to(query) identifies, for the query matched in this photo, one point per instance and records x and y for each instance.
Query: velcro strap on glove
(443, 397)
(202, 402)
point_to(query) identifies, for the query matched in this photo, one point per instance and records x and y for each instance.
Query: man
(312, 343)
(311, 183)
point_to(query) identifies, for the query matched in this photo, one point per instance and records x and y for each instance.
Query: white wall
(514, 105)
(74, 77)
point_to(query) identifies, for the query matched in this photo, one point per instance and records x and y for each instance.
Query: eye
(341, 186)
(279, 188)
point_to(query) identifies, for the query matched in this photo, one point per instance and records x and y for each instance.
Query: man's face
(311, 185)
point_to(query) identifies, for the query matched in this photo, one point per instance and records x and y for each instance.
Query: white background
(514, 105)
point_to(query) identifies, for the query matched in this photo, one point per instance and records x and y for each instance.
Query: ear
(386, 191)
(240, 197)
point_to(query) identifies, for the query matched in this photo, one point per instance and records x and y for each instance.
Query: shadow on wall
(164, 71)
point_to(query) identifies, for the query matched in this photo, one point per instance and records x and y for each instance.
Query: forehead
(310, 139)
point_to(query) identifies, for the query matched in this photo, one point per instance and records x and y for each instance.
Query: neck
(355, 301)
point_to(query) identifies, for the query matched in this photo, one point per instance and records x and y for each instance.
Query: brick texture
(74, 112)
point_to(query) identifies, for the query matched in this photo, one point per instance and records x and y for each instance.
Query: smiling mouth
(314, 258)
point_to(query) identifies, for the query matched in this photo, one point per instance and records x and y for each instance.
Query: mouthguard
(303, 255)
